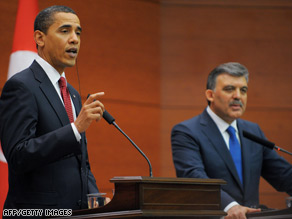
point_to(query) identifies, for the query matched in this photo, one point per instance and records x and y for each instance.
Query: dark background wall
(152, 58)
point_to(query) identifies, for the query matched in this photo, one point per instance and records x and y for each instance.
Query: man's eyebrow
(69, 26)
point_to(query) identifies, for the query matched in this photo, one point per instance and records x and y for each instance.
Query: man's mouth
(236, 104)
(72, 52)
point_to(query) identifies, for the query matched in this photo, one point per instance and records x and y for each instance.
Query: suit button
(79, 202)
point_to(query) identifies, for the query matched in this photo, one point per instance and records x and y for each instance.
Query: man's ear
(209, 95)
(39, 38)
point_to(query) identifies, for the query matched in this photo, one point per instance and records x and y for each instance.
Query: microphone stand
(283, 150)
(111, 120)
(108, 117)
(141, 152)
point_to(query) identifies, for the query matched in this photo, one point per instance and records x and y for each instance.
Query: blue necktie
(235, 151)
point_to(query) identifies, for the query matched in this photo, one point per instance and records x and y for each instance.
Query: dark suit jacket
(199, 151)
(48, 168)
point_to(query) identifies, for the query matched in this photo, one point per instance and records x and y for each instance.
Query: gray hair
(45, 18)
(231, 68)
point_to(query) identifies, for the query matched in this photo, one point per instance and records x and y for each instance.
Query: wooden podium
(155, 197)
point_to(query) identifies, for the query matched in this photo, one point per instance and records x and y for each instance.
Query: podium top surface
(147, 179)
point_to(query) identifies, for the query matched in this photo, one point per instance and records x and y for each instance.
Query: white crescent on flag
(20, 60)
(2, 158)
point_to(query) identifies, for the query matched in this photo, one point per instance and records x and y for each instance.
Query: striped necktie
(66, 98)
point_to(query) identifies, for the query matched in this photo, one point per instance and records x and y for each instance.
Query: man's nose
(236, 94)
(74, 38)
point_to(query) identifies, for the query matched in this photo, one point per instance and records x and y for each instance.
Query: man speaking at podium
(43, 123)
(211, 145)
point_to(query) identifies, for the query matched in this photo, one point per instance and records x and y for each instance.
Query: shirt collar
(221, 124)
(52, 73)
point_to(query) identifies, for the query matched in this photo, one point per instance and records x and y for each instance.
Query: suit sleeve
(24, 149)
(91, 182)
(92, 187)
(187, 158)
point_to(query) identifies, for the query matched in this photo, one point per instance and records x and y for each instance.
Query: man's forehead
(64, 18)
(231, 77)
(226, 78)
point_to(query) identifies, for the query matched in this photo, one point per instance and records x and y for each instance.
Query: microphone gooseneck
(110, 121)
(264, 142)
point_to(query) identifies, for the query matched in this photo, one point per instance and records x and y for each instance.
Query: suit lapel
(74, 99)
(213, 134)
(245, 150)
(50, 93)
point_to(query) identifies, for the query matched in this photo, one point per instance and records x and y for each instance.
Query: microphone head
(108, 117)
(261, 141)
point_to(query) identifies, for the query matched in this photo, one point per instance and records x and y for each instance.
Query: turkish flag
(23, 53)
(24, 48)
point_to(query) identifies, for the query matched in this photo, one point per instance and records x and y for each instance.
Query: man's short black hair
(45, 18)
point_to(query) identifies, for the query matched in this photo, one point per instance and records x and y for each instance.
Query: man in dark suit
(202, 149)
(46, 152)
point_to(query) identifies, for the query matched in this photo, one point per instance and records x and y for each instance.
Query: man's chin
(71, 63)
(236, 115)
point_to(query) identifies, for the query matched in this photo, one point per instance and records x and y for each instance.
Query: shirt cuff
(230, 206)
(76, 133)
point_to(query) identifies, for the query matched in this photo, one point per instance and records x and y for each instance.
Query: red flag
(23, 53)
(24, 47)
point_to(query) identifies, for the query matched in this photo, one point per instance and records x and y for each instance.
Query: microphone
(110, 121)
(264, 142)
(108, 117)
(261, 141)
